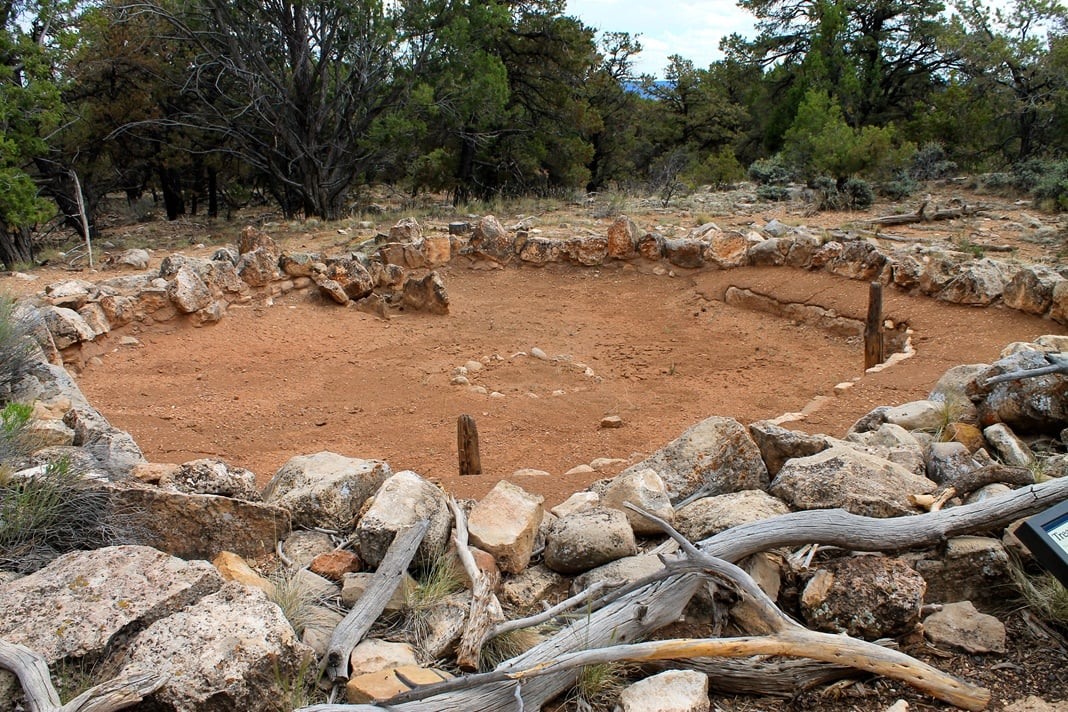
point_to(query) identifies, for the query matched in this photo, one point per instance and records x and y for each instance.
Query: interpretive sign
(1046, 535)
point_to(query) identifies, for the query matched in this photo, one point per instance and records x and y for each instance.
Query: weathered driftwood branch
(923, 215)
(779, 677)
(836, 527)
(1058, 363)
(485, 610)
(792, 639)
(549, 613)
(640, 610)
(369, 607)
(129, 688)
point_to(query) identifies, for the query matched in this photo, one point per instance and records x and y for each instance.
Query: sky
(691, 28)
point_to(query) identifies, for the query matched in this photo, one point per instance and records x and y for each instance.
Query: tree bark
(16, 246)
(354, 626)
(126, 690)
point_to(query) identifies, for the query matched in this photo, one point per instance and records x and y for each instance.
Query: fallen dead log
(125, 690)
(923, 215)
(350, 631)
(1058, 363)
(640, 609)
(486, 611)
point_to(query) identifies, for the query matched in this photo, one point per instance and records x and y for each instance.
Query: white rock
(670, 691)
(578, 502)
(504, 523)
(1010, 448)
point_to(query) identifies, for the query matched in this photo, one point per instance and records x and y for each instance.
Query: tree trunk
(16, 246)
(171, 185)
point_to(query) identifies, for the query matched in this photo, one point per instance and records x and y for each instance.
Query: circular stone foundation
(660, 352)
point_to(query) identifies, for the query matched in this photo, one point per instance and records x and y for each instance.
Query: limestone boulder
(708, 516)
(938, 272)
(954, 384)
(621, 571)
(969, 568)
(894, 443)
(234, 568)
(651, 247)
(669, 691)
(1009, 448)
(403, 500)
(947, 461)
(726, 249)
(959, 625)
(918, 415)
(1031, 289)
(87, 602)
(541, 250)
(1058, 310)
(66, 326)
(70, 293)
(245, 653)
(587, 250)
(505, 523)
(685, 252)
(778, 444)
(259, 267)
(867, 597)
(303, 546)
(95, 318)
(716, 456)
(349, 274)
(527, 589)
(166, 518)
(406, 230)
(426, 293)
(623, 237)
(325, 489)
(119, 309)
(853, 480)
(768, 253)
(1026, 405)
(978, 283)
(210, 476)
(642, 488)
(489, 240)
(802, 248)
(436, 249)
(188, 291)
(585, 540)
(858, 259)
(373, 655)
(114, 449)
(298, 264)
(135, 258)
(381, 685)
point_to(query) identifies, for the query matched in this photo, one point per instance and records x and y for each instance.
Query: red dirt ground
(301, 376)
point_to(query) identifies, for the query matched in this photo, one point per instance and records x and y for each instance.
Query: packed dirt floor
(302, 376)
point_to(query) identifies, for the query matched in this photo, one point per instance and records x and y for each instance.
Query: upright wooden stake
(467, 446)
(873, 327)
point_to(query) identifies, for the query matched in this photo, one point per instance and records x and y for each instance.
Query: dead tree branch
(1058, 364)
(126, 690)
(369, 607)
(486, 610)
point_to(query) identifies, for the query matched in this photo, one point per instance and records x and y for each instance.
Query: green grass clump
(599, 686)
(1044, 594)
(54, 511)
(16, 348)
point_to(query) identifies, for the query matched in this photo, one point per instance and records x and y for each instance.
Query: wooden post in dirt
(467, 446)
(873, 327)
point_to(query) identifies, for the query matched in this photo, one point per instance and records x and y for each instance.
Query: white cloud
(690, 29)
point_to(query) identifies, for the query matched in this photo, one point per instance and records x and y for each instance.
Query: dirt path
(269, 383)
